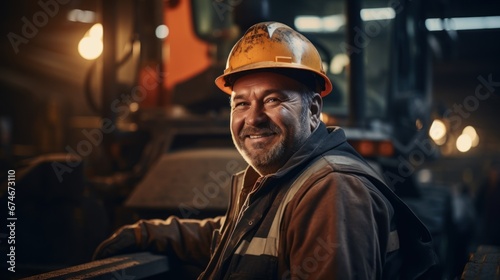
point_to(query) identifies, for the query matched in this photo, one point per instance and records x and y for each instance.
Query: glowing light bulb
(464, 143)
(90, 46)
(438, 131)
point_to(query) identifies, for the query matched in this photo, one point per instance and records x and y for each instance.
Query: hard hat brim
(222, 84)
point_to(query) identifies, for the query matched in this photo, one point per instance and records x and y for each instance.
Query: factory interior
(109, 114)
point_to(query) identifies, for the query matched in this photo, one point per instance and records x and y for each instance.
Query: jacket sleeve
(188, 240)
(335, 228)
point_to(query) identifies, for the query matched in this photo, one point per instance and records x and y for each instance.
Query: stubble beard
(271, 160)
(267, 161)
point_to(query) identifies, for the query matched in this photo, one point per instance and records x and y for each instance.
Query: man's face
(267, 123)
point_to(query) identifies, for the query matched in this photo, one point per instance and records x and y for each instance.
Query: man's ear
(315, 110)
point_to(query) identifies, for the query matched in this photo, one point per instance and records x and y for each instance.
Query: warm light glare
(437, 131)
(475, 141)
(134, 107)
(339, 62)
(328, 119)
(440, 141)
(324, 117)
(418, 124)
(469, 130)
(464, 143)
(91, 46)
(161, 31)
(96, 31)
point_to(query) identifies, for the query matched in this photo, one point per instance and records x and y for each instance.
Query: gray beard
(272, 160)
(269, 161)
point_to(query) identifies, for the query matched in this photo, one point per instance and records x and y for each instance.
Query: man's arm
(185, 239)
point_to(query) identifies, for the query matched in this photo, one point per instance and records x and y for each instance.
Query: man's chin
(264, 169)
(263, 164)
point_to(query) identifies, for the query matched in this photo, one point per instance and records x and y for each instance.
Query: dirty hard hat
(273, 46)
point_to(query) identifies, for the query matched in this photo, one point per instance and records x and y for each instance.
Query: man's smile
(257, 136)
(259, 140)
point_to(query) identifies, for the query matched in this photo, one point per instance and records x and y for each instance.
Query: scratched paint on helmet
(273, 45)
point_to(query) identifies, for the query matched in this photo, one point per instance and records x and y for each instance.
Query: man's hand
(124, 240)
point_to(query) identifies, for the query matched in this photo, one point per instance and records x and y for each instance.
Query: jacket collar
(320, 141)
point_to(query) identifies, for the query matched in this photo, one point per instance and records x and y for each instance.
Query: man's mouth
(257, 136)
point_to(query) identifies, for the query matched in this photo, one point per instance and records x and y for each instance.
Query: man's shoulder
(336, 173)
(341, 173)
(341, 164)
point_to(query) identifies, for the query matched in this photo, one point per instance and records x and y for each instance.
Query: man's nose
(255, 115)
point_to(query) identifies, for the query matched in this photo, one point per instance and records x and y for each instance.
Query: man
(307, 206)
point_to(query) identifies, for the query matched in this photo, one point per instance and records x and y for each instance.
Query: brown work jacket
(337, 224)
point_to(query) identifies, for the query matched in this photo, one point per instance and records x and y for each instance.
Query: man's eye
(272, 100)
(240, 104)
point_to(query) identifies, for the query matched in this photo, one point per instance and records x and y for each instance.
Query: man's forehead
(265, 81)
(244, 94)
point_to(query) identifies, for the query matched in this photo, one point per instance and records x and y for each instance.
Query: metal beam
(356, 75)
(130, 266)
(109, 58)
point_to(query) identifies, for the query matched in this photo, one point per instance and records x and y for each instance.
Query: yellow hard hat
(274, 46)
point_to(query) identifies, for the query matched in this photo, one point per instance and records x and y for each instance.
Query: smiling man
(307, 206)
(272, 115)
